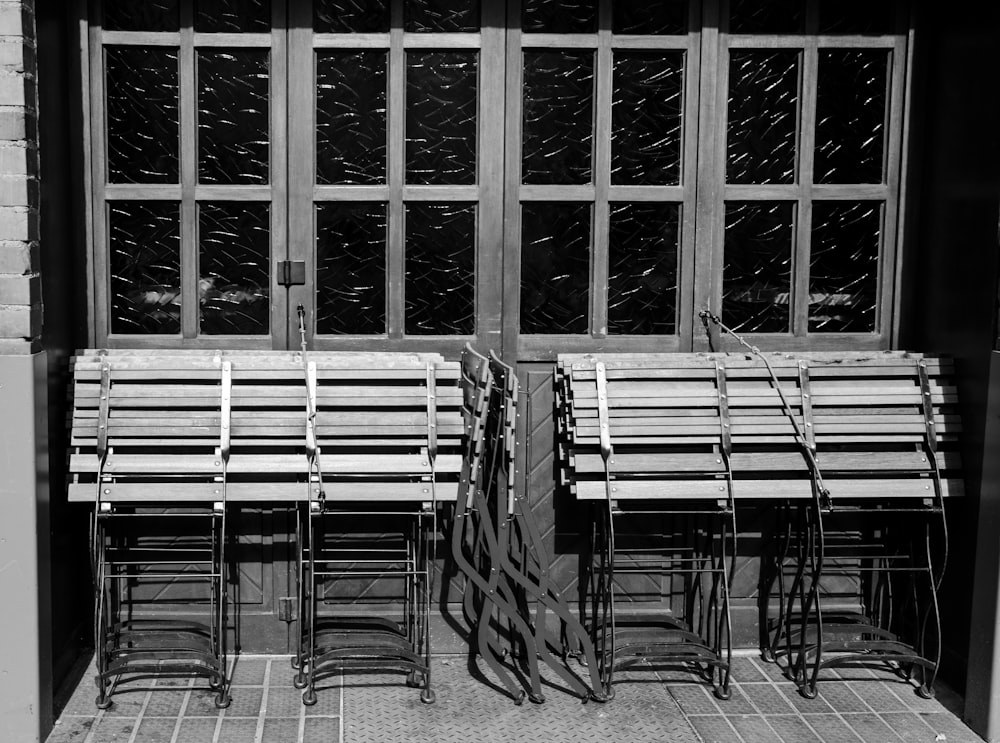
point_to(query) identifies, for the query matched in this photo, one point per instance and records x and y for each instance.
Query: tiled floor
(853, 705)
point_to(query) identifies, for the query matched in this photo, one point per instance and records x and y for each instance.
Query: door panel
(395, 192)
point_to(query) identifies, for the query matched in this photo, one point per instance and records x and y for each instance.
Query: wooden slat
(775, 489)
(259, 492)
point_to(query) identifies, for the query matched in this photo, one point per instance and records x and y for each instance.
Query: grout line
(341, 738)
(138, 719)
(182, 711)
(262, 713)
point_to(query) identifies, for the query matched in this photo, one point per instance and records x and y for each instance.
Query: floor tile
(752, 728)
(832, 729)
(767, 699)
(155, 730)
(792, 729)
(872, 729)
(715, 729)
(197, 730)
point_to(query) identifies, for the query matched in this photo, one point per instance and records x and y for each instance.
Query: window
(575, 176)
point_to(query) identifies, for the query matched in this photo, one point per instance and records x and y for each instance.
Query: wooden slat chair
(385, 449)
(866, 552)
(858, 451)
(150, 450)
(648, 440)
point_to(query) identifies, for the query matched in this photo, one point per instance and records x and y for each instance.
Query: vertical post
(26, 647)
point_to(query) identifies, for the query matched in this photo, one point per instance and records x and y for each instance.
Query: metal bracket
(603, 417)
(291, 273)
(226, 408)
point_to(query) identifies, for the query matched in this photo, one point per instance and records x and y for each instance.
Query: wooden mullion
(442, 193)
(659, 193)
(685, 310)
(238, 40)
(396, 257)
(513, 192)
(188, 108)
(892, 263)
(244, 193)
(442, 40)
(345, 41)
(559, 41)
(601, 169)
(141, 38)
(799, 316)
(349, 193)
(301, 169)
(101, 306)
(711, 173)
(651, 43)
(490, 175)
(557, 193)
(279, 170)
(896, 133)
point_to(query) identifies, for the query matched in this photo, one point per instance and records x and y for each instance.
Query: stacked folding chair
(497, 544)
(150, 449)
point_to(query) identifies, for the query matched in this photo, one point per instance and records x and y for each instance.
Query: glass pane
(145, 266)
(659, 18)
(143, 131)
(856, 17)
(555, 267)
(646, 118)
(558, 117)
(763, 116)
(756, 279)
(843, 266)
(440, 269)
(770, 17)
(233, 116)
(441, 117)
(234, 258)
(141, 15)
(850, 115)
(642, 268)
(233, 16)
(350, 16)
(559, 16)
(350, 117)
(441, 15)
(350, 268)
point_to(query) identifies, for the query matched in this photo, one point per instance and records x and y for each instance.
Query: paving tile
(250, 671)
(198, 730)
(155, 729)
(321, 730)
(752, 728)
(737, 704)
(280, 731)
(126, 704)
(871, 728)
(909, 726)
(793, 729)
(202, 704)
(744, 669)
(714, 729)
(951, 727)
(841, 698)
(70, 730)
(112, 730)
(165, 703)
(832, 729)
(878, 695)
(283, 702)
(82, 700)
(327, 699)
(245, 701)
(817, 705)
(235, 730)
(773, 671)
(693, 699)
(767, 699)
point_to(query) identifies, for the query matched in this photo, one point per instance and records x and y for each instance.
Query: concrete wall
(25, 647)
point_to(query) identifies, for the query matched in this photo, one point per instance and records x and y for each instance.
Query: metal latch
(288, 608)
(291, 273)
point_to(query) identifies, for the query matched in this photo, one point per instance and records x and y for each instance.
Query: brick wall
(20, 283)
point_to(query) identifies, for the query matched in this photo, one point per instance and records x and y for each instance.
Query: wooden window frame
(486, 193)
(600, 193)
(714, 192)
(188, 193)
